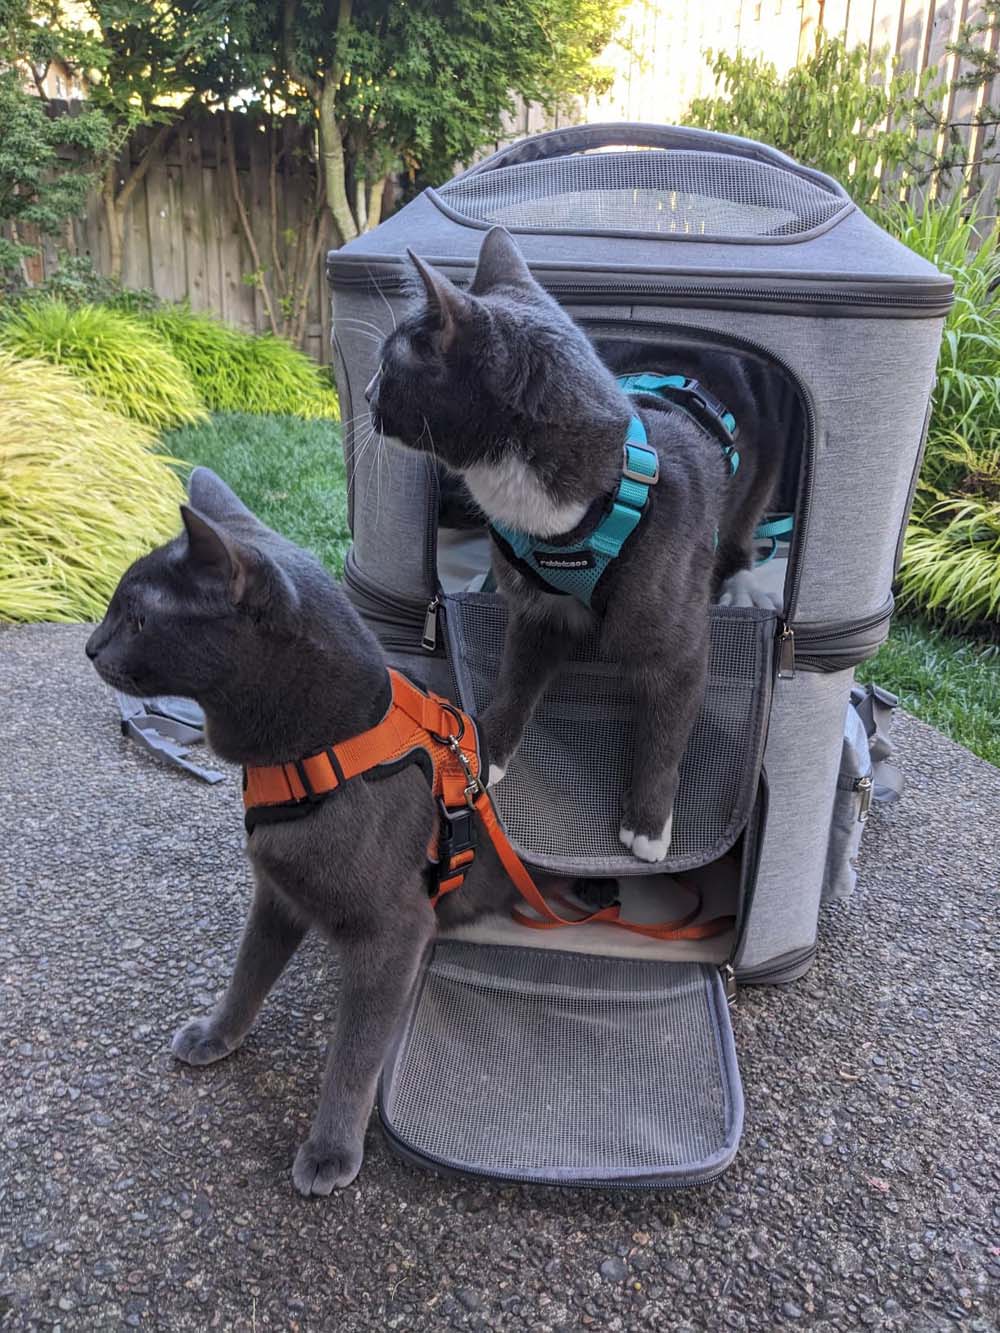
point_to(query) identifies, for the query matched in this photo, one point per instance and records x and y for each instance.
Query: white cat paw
(496, 774)
(744, 589)
(648, 849)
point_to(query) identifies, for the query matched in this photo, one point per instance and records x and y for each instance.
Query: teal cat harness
(574, 568)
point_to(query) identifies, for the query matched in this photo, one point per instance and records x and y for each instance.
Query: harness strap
(697, 401)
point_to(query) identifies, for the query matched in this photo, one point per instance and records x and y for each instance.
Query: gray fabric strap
(875, 707)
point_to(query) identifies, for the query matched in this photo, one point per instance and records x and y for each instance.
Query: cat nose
(371, 389)
(93, 647)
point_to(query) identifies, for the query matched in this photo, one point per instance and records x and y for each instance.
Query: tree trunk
(375, 195)
(332, 164)
(113, 216)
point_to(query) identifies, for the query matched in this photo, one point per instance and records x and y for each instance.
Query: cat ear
(211, 496)
(501, 264)
(443, 298)
(214, 552)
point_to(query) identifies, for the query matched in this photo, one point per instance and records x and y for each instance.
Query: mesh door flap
(656, 191)
(527, 1064)
(560, 801)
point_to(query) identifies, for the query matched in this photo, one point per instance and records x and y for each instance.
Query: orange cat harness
(423, 728)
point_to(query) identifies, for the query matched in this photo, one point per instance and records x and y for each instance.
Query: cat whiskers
(392, 313)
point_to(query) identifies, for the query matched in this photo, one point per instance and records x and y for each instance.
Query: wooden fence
(183, 237)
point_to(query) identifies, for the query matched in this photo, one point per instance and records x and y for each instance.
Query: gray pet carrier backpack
(588, 1056)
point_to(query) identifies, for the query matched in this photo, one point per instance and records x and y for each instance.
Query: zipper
(815, 636)
(863, 786)
(748, 880)
(429, 638)
(923, 298)
(396, 612)
(786, 652)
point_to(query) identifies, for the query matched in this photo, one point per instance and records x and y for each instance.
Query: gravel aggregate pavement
(137, 1193)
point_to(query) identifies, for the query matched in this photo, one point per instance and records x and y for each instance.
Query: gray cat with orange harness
(501, 386)
(362, 793)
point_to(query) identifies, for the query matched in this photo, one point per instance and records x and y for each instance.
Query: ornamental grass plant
(241, 372)
(116, 357)
(82, 494)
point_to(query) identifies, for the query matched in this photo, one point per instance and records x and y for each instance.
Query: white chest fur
(510, 492)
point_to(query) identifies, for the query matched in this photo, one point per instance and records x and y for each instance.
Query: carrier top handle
(632, 134)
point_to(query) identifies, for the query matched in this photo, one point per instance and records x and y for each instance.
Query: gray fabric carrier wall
(589, 1056)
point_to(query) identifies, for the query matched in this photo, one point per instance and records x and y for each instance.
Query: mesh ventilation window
(560, 800)
(656, 191)
(523, 1063)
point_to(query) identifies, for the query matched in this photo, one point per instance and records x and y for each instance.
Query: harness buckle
(458, 832)
(644, 478)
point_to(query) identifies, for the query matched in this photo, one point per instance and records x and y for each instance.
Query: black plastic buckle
(597, 894)
(704, 406)
(458, 833)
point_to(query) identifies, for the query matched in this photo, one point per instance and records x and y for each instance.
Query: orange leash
(548, 919)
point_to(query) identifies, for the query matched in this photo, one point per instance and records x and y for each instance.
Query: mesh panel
(561, 798)
(528, 1063)
(654, 190)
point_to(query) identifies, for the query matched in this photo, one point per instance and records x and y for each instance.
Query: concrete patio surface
(138, 1193)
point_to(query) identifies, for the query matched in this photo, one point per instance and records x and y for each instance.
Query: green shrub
(82, 495)
(829, 112)
(951, 560)
(115, 356)
(77, 282)
(238, 372)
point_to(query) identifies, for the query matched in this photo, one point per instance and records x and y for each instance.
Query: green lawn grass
(949, 681)
(291, 473)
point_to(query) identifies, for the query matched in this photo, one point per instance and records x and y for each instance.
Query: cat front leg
(270, 937)
(379, 970)
(668, 698)
(535, 646)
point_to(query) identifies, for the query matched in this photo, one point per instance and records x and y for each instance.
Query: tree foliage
(46, 162)
(420, 85)
(835, 111)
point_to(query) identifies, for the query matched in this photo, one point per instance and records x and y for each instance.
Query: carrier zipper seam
(763, 975)
(926, 299)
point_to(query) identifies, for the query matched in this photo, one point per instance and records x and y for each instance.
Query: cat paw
(322, 1168)
(496, 774)
(647, 848)
(198, 1043)
(744, 589)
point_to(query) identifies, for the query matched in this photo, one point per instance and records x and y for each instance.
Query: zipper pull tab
(786, 653)
(863, 786)
(429, 638)
(729, 983)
